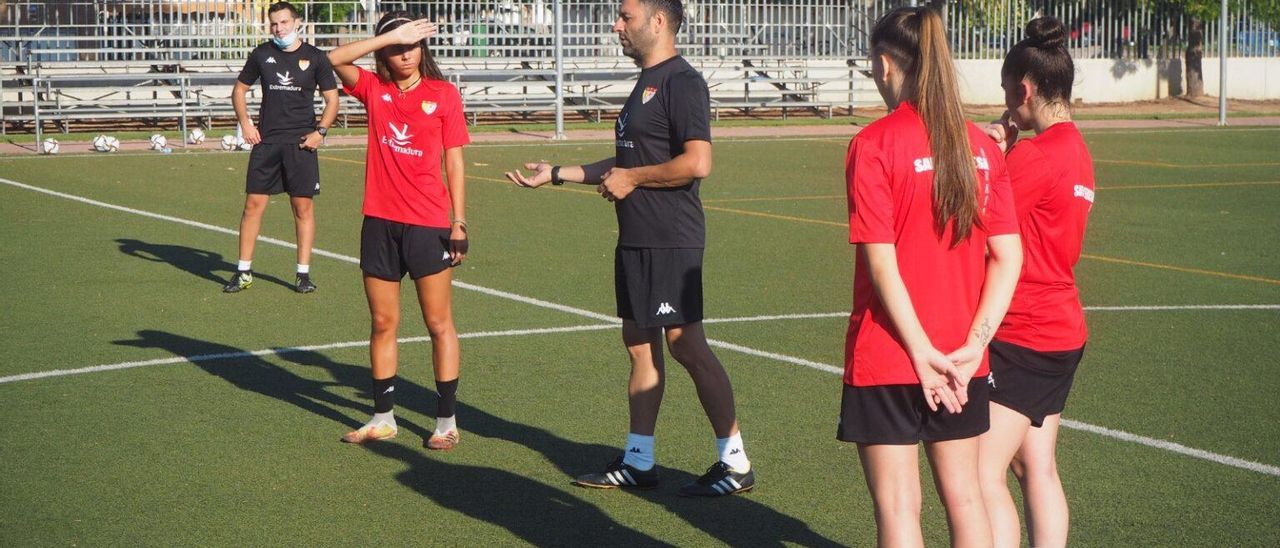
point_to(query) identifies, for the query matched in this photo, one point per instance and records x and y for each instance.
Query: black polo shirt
(669, 105)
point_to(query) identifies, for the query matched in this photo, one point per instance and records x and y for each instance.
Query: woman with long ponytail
(937, 258)
(1041, 341)
(414, 215)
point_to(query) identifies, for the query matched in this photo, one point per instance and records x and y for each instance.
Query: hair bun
(1046, 33)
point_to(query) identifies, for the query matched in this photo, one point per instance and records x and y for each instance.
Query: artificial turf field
(226, 430)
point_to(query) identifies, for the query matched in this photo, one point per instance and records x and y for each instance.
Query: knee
(303, 212)
(441, 326)
(1037, 472)
(383, 324)
(689, 352)
(254, 206)
(898, 506)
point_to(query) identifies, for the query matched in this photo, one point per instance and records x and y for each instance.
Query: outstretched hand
(541, 175)
(414, 32)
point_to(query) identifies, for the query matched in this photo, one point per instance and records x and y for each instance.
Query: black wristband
(555, 176)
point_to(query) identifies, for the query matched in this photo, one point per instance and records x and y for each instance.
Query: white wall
(1116, 80)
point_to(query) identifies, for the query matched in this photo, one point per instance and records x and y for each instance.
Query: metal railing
(186, 30)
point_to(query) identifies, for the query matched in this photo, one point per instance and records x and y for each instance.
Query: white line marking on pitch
(1173, 447)
(288, 350)
(1115, 434)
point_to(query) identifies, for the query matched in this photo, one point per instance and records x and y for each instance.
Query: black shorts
(898, 415)
(389, 250)
(658, 287)
(282, 167)
(1031, 382)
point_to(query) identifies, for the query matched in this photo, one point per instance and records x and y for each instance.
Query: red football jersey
(1052, 175)
(889, 172)
(408, 134)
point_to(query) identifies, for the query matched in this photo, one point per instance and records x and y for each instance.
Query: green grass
(244, 450)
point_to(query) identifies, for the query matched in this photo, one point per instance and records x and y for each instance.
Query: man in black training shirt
(284, 145)
(662, 153)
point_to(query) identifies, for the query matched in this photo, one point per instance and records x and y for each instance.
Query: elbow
(702, 168)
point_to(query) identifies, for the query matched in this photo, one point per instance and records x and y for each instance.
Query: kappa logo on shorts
(446, 256)
(991, 379)
(665, 308)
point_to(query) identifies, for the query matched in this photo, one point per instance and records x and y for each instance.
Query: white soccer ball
(106, 143)
(158, 142)
(231, 142)
(196, 136)
(245, 146)
(50, 146)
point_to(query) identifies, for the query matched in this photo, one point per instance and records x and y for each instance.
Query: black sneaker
(241, 281)
(719, 480)
(618, 475)
(304, 285)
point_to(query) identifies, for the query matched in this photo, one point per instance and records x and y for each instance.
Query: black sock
(447, 405)
(384, 394)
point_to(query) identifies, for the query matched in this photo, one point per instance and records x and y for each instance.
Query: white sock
(304, 268)
(733, 454)
(445, 424)
(389, 418)
(245, 265)
(639, 452)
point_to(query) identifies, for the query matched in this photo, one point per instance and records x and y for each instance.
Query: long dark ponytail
(914, 39)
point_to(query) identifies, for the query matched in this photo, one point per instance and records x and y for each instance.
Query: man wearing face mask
(286, 137)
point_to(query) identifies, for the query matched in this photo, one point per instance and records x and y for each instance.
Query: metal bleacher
(504, 71)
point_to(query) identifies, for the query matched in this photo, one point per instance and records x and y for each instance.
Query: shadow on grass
(537, 513)
(201, 263)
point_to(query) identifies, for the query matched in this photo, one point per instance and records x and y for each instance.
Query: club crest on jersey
(429, 107)
(303, 64)
(649, 92)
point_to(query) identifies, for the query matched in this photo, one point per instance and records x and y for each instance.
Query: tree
(1204, 12)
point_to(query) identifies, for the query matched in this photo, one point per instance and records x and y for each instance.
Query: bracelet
(459, 222)
(555, 176)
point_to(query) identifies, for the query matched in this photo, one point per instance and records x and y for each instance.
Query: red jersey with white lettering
(408, 134)
(1052, 176)
(889, 172)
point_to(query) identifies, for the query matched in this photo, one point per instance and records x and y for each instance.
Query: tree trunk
(1194, 57)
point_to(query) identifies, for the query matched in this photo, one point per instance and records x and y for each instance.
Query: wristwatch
(323, 131)
(555, 176)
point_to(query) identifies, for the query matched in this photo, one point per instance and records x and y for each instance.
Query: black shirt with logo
(289, 82)
(669, 105)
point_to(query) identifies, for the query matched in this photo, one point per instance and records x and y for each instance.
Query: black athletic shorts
(658, 287)
(282, 167)
(897, 414)
(389, 250)
(1031, 382)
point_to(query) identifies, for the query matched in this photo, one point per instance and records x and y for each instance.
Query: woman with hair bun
(1040, 343)
(937, 259)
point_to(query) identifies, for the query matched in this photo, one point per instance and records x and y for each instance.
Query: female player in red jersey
(1042, 338)
(415, 123)
(937, 259)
